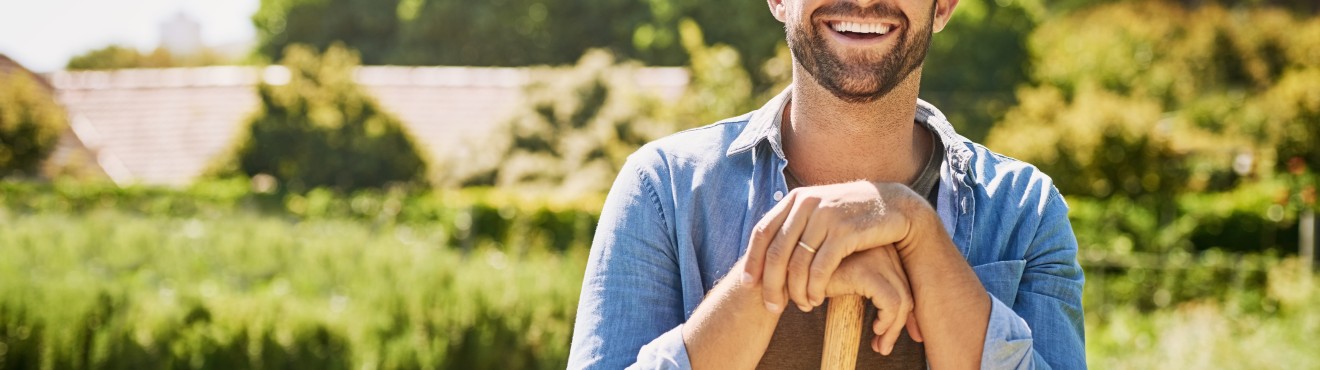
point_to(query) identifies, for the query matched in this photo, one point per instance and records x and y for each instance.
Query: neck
(828, 140)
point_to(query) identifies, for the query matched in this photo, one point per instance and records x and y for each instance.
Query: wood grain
(843, 332)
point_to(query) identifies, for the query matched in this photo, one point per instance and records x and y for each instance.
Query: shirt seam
(659, 209)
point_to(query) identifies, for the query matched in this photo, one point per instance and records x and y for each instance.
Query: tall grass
(1279, 333)
(110, 290)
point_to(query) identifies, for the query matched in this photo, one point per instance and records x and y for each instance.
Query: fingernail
(804, 308)
(747, 278)
(815, 302)
(889, 348)
(772, 307)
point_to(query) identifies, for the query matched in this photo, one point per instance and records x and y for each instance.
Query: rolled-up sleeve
(630, 314)
(1044, 327)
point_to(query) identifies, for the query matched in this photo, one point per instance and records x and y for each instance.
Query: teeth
(860, 27)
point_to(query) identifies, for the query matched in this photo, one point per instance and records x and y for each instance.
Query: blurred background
(401, 184)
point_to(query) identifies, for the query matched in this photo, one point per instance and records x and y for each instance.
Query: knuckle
(818, 271)
(775, 253)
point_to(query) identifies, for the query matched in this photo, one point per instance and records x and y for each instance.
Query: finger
(907, 303)
(897, 281)
(828, 257)
(913, 329)
(886, 303)
(849, 278)
(762, 234)
(890, 337)
(780, 251)
(800, 273)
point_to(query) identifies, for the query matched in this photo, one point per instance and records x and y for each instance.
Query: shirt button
(779, 195)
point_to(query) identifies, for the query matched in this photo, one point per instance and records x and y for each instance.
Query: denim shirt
(682, 208)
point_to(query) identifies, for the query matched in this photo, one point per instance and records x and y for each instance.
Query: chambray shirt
(682, 208)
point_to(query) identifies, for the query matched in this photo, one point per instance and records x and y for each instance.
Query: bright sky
(43, 34)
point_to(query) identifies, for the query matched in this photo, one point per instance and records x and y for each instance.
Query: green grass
(113, 290)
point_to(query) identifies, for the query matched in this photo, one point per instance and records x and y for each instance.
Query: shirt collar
(764, 123)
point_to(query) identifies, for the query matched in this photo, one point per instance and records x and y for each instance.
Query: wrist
(924, 225)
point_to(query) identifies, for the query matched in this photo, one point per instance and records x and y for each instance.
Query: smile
(860, 28)
(852, 31)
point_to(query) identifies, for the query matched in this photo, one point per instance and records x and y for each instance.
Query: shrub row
(468, 217)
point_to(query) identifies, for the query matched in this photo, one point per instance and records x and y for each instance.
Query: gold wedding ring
(807, 247)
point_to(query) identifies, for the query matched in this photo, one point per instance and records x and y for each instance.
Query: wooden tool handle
(843, 333)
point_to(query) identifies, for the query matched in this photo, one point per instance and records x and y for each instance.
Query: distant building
(181, 35)
(70, 157)
(164, 126)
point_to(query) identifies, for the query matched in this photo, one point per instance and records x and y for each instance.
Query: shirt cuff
(1007, 339)
(666, 352)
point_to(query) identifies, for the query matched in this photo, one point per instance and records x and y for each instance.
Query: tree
(369, 26)
(514, 32)
(30, 124)
(320, 129)
(118, 56)
(576, 130)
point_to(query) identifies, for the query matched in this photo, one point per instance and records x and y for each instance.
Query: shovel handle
(843, 333)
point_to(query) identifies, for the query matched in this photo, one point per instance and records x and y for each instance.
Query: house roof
(8, 66)
(165, 126)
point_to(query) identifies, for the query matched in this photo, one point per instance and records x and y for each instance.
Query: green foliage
(115, 57)
(745, 26)
(977, 61)
(575, 131)
(719, 87)
(579, 125)
(369, 26)
(120, 291)
(512, 221)
(30, 124)
(1141, 98)
(319, 129)
(118, 56)
(513, 32)
(1209, 335)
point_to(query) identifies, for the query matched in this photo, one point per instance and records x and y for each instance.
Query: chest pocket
(1001, 278)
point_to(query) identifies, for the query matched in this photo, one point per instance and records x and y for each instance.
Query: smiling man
(718, 246)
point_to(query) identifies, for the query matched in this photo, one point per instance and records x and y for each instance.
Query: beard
(859, 79)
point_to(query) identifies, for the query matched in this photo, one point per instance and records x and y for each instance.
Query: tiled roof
(164, 126)
(8, 66)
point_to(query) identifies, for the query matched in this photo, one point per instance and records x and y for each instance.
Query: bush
(30, 124)
(1134, 98)
(577, 128)
(319, 129)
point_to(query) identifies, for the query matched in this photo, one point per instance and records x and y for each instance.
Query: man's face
(859, 52)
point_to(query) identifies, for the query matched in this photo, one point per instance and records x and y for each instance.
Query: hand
(837, 221)
(878, 275)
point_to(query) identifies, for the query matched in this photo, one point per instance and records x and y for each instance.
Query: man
(717, 246)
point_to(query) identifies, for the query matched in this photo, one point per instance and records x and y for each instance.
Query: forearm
(731, 328)
(951, 305)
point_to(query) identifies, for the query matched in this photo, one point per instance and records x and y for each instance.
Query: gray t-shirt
(800, 336)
